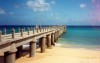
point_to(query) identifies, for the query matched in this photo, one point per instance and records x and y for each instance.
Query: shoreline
(60, 54)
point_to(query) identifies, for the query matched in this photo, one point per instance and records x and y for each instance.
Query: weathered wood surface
(18, 40)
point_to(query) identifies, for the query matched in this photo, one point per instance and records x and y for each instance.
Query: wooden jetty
(12, 43)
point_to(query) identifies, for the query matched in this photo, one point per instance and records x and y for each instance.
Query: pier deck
(12, 43)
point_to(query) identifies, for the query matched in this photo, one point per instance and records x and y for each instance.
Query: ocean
(81, 37)
(75, 36)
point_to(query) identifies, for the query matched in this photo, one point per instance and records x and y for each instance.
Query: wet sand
(60, 54)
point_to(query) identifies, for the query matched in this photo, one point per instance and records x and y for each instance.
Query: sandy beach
(60, 54)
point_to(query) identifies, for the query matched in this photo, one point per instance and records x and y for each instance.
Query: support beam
(52, 39)
(19, 51)
(10, 56)
(48, 37)
(55, 37)
(42, 44)
(1, 58)
(33, 48)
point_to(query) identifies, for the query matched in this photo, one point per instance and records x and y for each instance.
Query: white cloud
(2, 11)
(39, 5)
(82, 5)
(52, 2)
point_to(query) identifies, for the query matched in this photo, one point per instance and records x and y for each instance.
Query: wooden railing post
(4, 31)
(33, 30)
(28, 31)
(13, 33)
(37, 30)
(0, 36)
(21, 32)
(24, 29)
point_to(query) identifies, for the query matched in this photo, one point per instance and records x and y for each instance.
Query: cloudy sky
(50, 12)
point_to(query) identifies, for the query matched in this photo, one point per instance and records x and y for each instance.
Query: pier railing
(12, 43)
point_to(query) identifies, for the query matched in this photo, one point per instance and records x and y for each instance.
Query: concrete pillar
(33, 48)
(28, 31)
(33, 30)
(37, 30)
(40, 29)
(52, 39)
(1, 57)
(4, 31)
(21, 32)
(13, 33)
(19, 51)
(55, 36)
(48, 41)
(24, 29)
(10, 56)
(42, 44)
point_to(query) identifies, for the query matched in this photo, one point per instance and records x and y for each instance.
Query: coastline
(59, 54)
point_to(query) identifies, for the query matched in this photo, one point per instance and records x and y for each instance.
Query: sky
(50, 12)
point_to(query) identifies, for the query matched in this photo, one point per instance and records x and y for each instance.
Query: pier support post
(55, 36)
(48, 41)
(10, 56)
(42, 44)
(19, 52)
(1, 57)
(33, 48)
(52, 39)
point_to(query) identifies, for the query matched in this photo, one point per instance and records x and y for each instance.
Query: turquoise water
(76, 36)
(84, 37)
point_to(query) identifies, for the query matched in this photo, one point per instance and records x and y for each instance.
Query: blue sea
(81, 37)
(75, 36)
